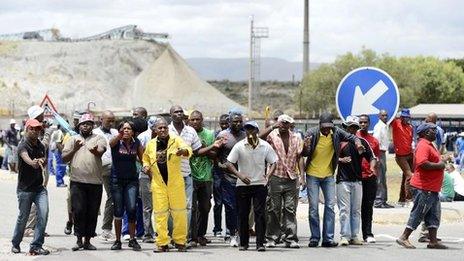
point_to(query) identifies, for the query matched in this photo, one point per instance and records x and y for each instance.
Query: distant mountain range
(237, 69)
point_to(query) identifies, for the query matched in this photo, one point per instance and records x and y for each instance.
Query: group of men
(245, 168)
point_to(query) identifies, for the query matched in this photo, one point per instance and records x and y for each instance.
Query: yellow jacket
(173, 161)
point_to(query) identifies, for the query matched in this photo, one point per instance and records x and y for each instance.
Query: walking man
(283, 185)
(381, 131)
(31, 189)
(251, 155)
(322, 149)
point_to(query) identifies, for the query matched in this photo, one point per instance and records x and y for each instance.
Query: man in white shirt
(381, 134)
(458, 182)
(108, 132)
(251, 155)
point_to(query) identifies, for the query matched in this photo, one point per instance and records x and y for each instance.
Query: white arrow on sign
(363, 103)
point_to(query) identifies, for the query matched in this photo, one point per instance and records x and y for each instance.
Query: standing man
(232, 135)
(381, 134)
(369, 179)
(31, 189)
(162, 160)
(190, 137)
(426, 184)
(201, 165)
(402, 133)
(217, 177)
(440, 139)
(283, 185)
(84, 152)
(107, 131)
(252, 154)
(349, 183)
(322, 149)
(11, 141)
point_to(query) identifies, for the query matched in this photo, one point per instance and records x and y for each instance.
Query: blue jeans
(125, 193)
(25, 200)
(217, 196)
(328, 226)
(349, 198)
(426, 208)
(230, 205)
(59, 169)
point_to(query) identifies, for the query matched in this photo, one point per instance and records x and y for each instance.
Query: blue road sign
(367, 90)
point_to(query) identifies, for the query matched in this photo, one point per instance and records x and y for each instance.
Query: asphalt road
(60, 244)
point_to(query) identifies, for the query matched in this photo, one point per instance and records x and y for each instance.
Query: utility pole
(306, 38)
(256, 33)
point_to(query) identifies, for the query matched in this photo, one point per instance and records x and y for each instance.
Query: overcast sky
(220, 28)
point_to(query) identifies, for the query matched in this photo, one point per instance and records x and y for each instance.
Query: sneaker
(233, 241)
(271, 244)
(313, 243)
(78, 246)
(370, 240)
(160, 249)
(61, 185)
(89, 246)
(203, 241)
(243, 248)
(343, 242)
(148, 239)
(260, 248)
(292, 244)
(181, 248)
(126, 237)
(68, 228)
(38, 252)
(106, 235)
(15, 249)
(217, 233)
(192, 244)
(116, 245)
(134, 245)
(329, 244)
(355, 241)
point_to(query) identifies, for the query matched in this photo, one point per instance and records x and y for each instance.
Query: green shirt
(447, 188)
(202, 165)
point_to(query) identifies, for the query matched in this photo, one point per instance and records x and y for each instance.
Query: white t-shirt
(381, 134)
(190, 137)
(252, 162)
(458, 182)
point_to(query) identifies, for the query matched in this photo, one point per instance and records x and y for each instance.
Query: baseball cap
(12, 121)
(33, 123)
(34, 111)
(425, 127)
(285, 118)
(326, 120)
(253, 124)
(85, 118)
(405, 113)
(351, 120)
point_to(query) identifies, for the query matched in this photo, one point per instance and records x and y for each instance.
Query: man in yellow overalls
(162, 161)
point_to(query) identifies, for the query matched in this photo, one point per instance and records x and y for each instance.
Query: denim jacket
(338, 135)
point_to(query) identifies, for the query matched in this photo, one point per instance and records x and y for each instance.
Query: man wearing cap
(322, 148)
(11, 141)
(251, 156)
(440, 140)
(369, 178)
(426, 184)
(190, 136)
(283, 185)
(232, 135)
(84, 152)
(31, 189)
(107, 131)
(381, 131)
(402, 134)
(349, 183)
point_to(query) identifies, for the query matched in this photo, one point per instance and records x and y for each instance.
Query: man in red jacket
(426, 184)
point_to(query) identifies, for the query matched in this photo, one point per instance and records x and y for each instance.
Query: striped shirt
(190, 137)
(287, 165)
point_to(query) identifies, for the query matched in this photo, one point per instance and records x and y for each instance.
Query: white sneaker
(343, 242)
(233, 241)
(106, 235)
(370, 240)
(126, 237)
(270, 244)
(293, 244)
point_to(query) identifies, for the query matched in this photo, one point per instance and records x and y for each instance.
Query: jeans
(382, 191)
(281, 210)
(109, 209)
(217, 196)
(201, 204)
(125, 194)
(25, 200)
(188, 182)
(327, 186)
(245, 195)
(59, 169)
(147, 204)
(367, 207)
(139, 229)
(86, 199)
(349, 196)
(426, 208)
(230, 205)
